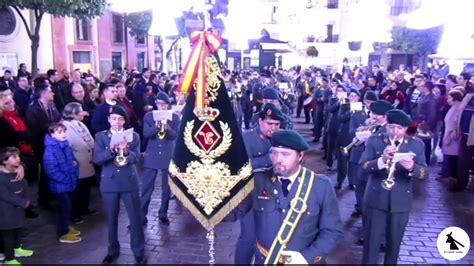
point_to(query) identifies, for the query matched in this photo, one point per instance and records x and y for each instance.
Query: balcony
(397, 10)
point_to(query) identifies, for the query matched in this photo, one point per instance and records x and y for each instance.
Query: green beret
(270, 110)
(371, 96)
(118, 110)
(163, 97)
(381, 107)
(270, 93)
(355, 91)
(398, 117)
(289, 139)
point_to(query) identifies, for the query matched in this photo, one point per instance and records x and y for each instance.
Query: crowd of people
(56, 130)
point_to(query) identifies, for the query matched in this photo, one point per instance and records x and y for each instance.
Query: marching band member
(297, 217)
(119, 181)
(388, 198)
(270, 95)
(159, 150)
(257, 143)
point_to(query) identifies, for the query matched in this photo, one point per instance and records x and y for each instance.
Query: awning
(278, 47)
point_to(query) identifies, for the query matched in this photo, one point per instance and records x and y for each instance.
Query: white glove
(294, 257)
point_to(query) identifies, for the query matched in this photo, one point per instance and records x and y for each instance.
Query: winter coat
(60, 165)
(82, 145)
(13, 200)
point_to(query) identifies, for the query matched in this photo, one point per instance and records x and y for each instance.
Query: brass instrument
(389, 182)
(356, 142)
(120, 160)
(162, 132)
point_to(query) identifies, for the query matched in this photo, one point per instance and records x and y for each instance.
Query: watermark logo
(453, 243)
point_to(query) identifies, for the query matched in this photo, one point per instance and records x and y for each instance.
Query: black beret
(270, 93)
(381, 107)
(163, 97)
(398, 117)
(371, 96)
(355, 91)
(289, 139)
(269, 110)
(118, 110)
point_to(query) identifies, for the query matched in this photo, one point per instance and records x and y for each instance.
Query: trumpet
(389, 182)
(162, 132)
(120, 160)
(372, 127)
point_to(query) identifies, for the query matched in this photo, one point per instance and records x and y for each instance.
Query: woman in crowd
(127, 105)
(393, 94)
(82, 145)
(451, 138)
(93, 93)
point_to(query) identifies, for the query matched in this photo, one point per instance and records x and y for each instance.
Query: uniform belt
(297, 208)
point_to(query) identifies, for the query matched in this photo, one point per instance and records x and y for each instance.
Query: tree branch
(28, 31)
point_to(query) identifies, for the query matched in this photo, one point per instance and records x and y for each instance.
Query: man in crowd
(23, 95)
(100, 117)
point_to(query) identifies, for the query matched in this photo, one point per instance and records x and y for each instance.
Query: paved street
(184, 241)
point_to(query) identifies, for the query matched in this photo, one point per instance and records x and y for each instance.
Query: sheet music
(119, 137)
(159, 115)
(177, 108)
(356, 106)
(399, 156)
(341, 95)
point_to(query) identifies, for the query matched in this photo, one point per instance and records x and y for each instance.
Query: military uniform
(388, 210)
(120, 183)
(343, 139)
(318, 230)
(357, 119)
(257, 146)
(157, 156)
(332, 128)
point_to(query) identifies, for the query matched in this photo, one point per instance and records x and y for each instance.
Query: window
(83, 30)
(7, 21)
(81, 57)
(398, 8)
(333, 4)
(118, 30)
(116, 60)
(140, 60)
(331, 37)
(140, 40)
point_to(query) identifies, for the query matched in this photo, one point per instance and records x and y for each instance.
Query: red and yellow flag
(203, 42)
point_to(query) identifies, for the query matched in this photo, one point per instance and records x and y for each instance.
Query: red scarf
(18, 125)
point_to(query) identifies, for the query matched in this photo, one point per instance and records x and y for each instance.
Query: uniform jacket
(60, 165)
(399, 199)
(357, 119)
(159, 152)
(114, 178)
(12, 200)
(82, 145)
(257, 147)
(333, 121)
(319, 229)
(344, 118)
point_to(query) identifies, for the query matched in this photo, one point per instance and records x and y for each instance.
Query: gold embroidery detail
(212, 79)
(208, 181)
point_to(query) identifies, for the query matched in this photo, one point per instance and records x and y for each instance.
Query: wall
(19, 43)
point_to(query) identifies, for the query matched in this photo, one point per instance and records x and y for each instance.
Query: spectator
(13, 198)
(127, 105)
(9, 138)
(393, 94)
(82, 145)
(100, 117)
(413, 94)
(403, 85)
(7, 79)
(23, 95)
(451, 138)
(23, 71)
(63, 171)
(427, 117)
(39, 116)
(443, 107)
(88, 107)
(93, 94)
(363, 88)
(53, 78)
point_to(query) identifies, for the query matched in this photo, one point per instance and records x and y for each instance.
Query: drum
(309, 103)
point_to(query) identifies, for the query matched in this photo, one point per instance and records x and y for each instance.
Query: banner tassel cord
(211, 237)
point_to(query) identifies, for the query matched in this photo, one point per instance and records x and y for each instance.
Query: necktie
(285, 182)
(397, 143)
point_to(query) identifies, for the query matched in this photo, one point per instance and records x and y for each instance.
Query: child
(13, 200)
(63, 171)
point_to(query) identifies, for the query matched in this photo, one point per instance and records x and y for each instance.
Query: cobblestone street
(184, 240)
